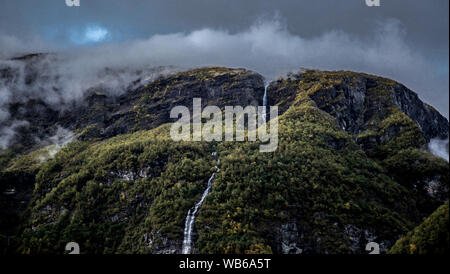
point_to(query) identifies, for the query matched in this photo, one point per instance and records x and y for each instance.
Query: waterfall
(190, 218)
(265, 102)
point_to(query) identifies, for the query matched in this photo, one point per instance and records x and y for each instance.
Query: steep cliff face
(148, 106)
(361, 103)
(351, 167)
(101, 111)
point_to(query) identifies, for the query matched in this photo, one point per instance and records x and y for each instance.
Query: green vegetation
(430, 237)
(92, 193)
(130, 193)
(318, 178)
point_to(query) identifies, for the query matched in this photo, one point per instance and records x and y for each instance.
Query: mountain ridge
(351, 167)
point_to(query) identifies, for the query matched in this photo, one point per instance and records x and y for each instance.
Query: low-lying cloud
(55, 143)
(439, 148)
(267, 47)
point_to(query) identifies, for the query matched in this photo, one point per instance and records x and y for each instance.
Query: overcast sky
(403, 39)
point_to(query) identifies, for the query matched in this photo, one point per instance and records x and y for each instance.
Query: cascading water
(190, 218)
(265, 102)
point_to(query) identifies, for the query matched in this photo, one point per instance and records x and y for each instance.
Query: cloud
(55, 143)
(269, 48)
(11, 45)
(266, 47)
(439, 148)
(9, 132)
(91, 34)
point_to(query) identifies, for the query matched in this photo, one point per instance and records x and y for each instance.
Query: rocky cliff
(352, 167)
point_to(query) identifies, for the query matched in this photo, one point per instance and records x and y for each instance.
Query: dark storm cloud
(403, 39)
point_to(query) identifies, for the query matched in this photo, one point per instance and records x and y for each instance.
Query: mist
(439, 148)
(267, 47)
(55, 143)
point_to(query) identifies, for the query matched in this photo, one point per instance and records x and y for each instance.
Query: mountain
(352, 167)
(431, 236)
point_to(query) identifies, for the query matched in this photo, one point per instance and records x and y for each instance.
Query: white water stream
(264, 112)
(190, 218)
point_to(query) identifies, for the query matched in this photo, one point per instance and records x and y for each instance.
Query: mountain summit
(353, 166)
